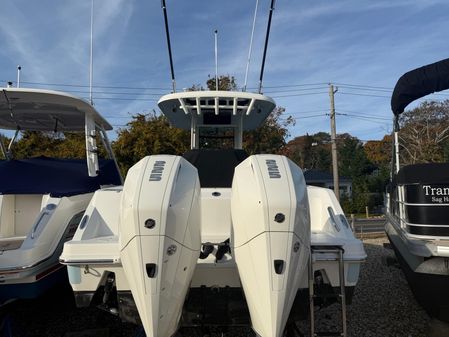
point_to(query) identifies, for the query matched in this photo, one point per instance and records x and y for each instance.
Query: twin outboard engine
(270, 237)
(160, 238)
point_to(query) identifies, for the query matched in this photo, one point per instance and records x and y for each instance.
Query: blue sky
(361, 46)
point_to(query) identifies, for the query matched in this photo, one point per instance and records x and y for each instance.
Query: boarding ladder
(330, 253)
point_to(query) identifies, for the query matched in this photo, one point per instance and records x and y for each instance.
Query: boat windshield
(216, 137)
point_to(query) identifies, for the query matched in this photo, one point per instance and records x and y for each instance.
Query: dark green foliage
(271, 136)
(225, 82)
(311, 152)
(146, 135)
(50, 144)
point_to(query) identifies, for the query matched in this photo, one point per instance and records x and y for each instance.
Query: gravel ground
(383, 305)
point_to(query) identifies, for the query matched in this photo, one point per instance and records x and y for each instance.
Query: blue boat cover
(57, 177)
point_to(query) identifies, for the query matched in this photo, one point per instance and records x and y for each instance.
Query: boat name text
(429, 190)
(273, 169)
(158, 169)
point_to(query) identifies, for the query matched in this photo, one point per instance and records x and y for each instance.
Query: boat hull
(428, 277)
(32, 268)
(36, 284)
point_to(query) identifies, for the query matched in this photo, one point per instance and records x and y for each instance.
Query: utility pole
(334, 142)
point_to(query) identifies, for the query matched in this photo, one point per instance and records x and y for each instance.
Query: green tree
(311, 151)
(352, 160)
(35, 143)
(50, 144)
(299, 150)
(146, 135)
(225, 82)
(152, 134)
(271, 136)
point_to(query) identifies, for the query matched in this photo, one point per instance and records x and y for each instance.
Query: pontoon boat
(417, 203)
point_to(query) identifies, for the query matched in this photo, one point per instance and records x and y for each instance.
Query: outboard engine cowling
(160, 238)
(270, 237)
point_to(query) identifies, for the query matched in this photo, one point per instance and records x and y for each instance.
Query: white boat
(417, 203)
(42, 200)
(251, 220)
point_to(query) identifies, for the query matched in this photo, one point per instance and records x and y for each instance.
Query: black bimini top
(418, 83)
(57, 177)
(430, 173)
(215, 167)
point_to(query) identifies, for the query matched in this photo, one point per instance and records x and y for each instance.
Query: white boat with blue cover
(42, 200)
(185, 235)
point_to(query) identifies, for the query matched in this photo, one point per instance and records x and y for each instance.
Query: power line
(115, 93)
(364, 89)
(307, 112)
(367, 119)
(95, 86)
(358, 94)
(125, 99)
(307, 94)
(294, 90)
(363, 86)
(292, 85)
(364, 116)
(306, 117)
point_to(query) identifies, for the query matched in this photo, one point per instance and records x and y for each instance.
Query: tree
(424, 133)
(352, 160)
(51, 144)
(379, 151)
(299, 150)
(271, 136)
(311, 151)
(152, 134)
(225, 82)
(146, 135)
(34, 143)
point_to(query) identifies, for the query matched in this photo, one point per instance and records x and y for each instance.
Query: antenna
(164, 8)
(266, 45)
(19, 68)
(91, 63)
(250, 45)
(216, 59)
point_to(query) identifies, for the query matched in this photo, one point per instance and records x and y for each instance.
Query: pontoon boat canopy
(216, 108)
(419, 83)
(45, 110)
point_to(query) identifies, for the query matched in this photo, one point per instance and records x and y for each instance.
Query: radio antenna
(216, 59)
(167, 33)
(250, 45)
(91, 61)
(266, 45)
(19, 68)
